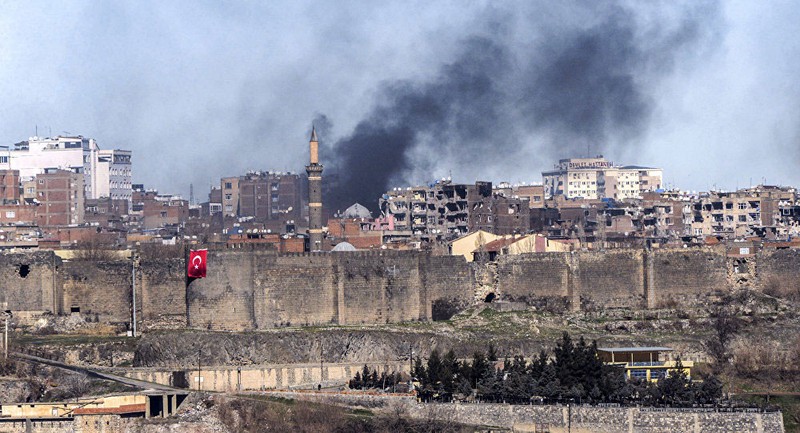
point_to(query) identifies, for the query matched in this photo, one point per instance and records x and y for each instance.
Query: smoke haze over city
(409, 92)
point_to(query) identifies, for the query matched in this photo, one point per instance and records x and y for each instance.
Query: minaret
(314, 171)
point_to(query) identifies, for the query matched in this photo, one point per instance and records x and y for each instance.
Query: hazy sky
(407, 92)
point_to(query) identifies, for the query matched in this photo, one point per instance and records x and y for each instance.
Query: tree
(725, 327)
(709, 391)
(565, 361)
(491, 353)
(676, 388)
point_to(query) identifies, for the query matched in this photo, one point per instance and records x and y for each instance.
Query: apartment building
(597, 178)
(443, 210)
(112, 175)
(106, 173)
(763, 211)
(263, 197)
(151, 210)
(9, 186)
(60, 197)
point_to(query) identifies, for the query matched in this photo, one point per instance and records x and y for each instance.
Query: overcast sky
(407, 92)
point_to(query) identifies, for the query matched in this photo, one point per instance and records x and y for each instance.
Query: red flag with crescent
(197, 264)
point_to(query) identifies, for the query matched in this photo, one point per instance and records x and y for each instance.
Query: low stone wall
(561, 418)
(586, 419)
(37, 426)
(262, 377)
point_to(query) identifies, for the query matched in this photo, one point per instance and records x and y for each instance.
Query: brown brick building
(60, 196)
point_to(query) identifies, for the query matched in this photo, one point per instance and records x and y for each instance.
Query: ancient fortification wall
(613, 279)
(620, 278)
(779, 271)
(265, 290)
(261, 289)
(28, 282)
(161, 293)
(684, 274)
(101, 289)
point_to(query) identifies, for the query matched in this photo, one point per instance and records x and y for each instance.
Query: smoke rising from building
(412, 91)
(577, 89)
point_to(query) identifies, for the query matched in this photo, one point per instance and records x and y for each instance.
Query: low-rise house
(646, 363)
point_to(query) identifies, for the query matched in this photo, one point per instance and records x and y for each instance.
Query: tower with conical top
(314, 171)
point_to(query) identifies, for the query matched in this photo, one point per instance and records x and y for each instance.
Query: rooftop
(634, 349)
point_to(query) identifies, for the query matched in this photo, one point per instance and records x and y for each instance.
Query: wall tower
(314, 171)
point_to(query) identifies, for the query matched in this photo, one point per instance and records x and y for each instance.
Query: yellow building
(465, 245)
(649, 363)
(129, 403)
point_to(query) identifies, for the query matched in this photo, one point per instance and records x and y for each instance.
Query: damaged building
(444, 210)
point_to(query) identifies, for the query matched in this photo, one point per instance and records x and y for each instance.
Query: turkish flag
(197, 264)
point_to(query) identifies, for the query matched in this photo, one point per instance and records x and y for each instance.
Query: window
(228, 196)
(11, 214)
(3, 159)
(163, 214)
(228, 185)
(658, 374)
(742, 218)
(742, 205)
(639, 374)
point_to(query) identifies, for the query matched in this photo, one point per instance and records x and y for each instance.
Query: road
(95, 373)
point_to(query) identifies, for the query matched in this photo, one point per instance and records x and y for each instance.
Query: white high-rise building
(107, 173)
(597, 178)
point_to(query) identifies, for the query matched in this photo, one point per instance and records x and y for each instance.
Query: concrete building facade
(61, 199)
(444, 211)
(9, 186)
(107, 173)
(597, 178)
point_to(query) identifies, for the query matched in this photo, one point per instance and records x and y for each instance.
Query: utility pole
(7, 315)
(569, 416)
(199, 377)
(410, 361)
(5, 341)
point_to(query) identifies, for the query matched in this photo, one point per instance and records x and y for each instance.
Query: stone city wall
(248, 290)
(266, 290)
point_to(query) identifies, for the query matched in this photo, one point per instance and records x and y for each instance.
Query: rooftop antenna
(37, 131)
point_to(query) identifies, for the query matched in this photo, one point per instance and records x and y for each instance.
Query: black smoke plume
(575, 90)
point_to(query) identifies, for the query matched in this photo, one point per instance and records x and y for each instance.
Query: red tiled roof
(125, 408)
(496, 245)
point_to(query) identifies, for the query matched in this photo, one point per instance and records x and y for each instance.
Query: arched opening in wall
(443, 309)
(74, 309)
(490, 298)
(24, 270)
